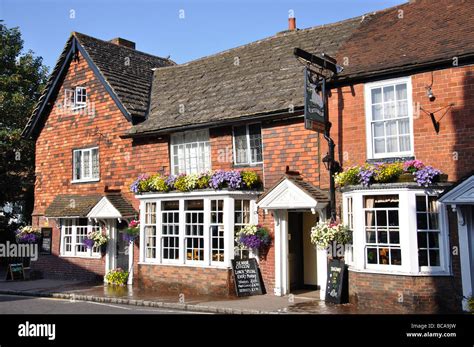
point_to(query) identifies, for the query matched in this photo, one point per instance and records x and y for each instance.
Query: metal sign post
(316, 113)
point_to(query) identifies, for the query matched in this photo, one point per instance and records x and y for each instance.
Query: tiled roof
(260, 77)
(316, 193)
(68, 205)
(72, 205)
(412, 34)
(122, 205)
(126, 71)
(264, 77)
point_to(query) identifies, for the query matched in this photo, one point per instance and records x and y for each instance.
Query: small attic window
(75, 98)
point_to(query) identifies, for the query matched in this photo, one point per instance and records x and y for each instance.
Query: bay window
(398, 231)
(389, 118)
(194, 230)
(248, 148)
(86, 164)
(73, 233)
(190, 152)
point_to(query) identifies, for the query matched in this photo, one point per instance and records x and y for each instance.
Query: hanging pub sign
(314, 101)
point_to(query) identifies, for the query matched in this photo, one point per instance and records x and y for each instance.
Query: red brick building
(111, 113)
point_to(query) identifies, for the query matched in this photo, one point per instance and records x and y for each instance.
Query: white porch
(291, 194)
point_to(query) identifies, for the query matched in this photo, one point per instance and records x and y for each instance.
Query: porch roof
(461, 193)
(292, 192)
(90, 206)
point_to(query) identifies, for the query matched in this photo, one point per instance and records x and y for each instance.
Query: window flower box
(217, 180)
(408, 171)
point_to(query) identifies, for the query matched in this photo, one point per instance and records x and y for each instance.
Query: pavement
(301, 303)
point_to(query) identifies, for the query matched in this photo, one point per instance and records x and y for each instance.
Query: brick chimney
(292, 23)
(122, 42)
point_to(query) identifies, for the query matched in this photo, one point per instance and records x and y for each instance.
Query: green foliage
(203, 181)
(470, 304)
(181, 183)
(250, 178)
(348, 177)
(117, 277)
(22, 77)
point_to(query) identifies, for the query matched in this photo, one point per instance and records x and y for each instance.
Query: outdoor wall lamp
(430, 94)
(327, 161)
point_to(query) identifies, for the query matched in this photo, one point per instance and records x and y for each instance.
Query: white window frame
(408, 234)
(79, 92)
(249, 150)
(178, 141)
(90, 178)
(368, 117)
(441, 241)
(348, 220)
(72, 223)
(378, 245)
(72, 96)
(228, 223)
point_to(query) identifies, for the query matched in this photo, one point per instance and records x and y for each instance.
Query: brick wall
(451, 150)
(287, 143)
(186, 280)
(407, 294)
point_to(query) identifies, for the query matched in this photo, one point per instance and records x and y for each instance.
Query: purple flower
(89, 243)
(128, 238)
(170, 181)
(365, 176)
(135, 186)
(234, 179)
(218, 179)
(27, 238)
(424, 177)
(251, 241)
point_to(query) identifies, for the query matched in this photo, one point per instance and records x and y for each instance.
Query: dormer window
(75, 98)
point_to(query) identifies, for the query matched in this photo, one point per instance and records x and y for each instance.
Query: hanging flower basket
(132, 232)
(98, 238)
(254, 237)
(324, 234)
(28, 234)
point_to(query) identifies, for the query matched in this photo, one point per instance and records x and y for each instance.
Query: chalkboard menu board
(336, 281)
(15, 272)
(247, 277)
(46, 234)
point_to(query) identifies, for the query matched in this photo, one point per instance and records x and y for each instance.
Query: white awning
(104, 209)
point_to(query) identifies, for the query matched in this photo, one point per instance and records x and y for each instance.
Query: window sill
(391, 158)
(260, 164)
(85, 181)
(217, 267)
(401, 273)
